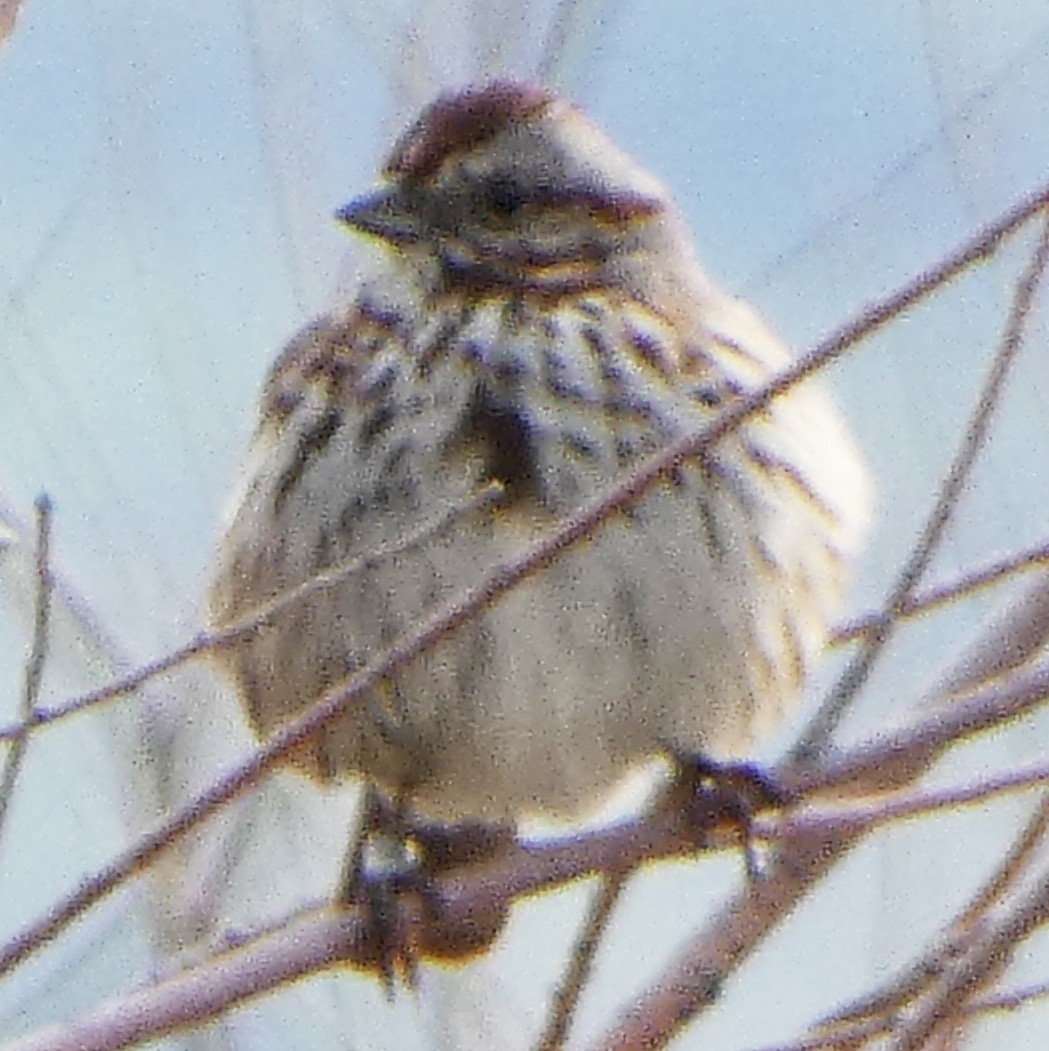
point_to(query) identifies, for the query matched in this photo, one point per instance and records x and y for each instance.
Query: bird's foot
(394, 857)
(709, 794)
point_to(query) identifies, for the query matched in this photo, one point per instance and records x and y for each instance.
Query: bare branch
(1017, 635)
(804, 853)
(855, 1034)
(326, 937)
(968, 583)
(808, 842)
(573, 982)
(880, 1011)
(207, 642)
(821, 729)
(988, 953)
(34, 671)
(1011, 1001)
(981, 246)
(898, 806)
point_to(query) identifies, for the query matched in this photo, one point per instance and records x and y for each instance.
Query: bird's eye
(503, 196)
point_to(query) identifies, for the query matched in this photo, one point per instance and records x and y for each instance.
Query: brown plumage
(538, 318)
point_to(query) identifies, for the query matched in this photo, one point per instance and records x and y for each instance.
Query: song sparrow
(539, 319)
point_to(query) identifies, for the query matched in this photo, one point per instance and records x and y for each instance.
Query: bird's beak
(384, 214)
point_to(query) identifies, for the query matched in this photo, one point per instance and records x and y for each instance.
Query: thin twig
(878, 1012)
(1010, 1001)
(820, 730)
(858, 1033)
(987, 955)
(208, 642)
(584, 952)
(34, 671)
(1016, 635)
(1012, 869)
(948, 592)
(894, 807)
(804, 853)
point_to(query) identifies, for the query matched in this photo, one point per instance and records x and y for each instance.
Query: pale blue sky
(168, 173)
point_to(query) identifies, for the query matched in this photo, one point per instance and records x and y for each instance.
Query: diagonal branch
(976, 249)
(879, 1013)
(207, 642)
(809, 849)
(328, 938)
(822, 727)
(947, 592)
(809, 842)
(443, 622)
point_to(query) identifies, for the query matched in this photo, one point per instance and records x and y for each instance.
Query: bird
(534, 318)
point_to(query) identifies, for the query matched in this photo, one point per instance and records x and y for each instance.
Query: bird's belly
(632, 644)
(684, 622)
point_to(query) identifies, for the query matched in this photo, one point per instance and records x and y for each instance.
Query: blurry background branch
(34, 670)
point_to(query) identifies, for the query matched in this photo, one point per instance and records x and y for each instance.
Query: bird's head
(507, 186)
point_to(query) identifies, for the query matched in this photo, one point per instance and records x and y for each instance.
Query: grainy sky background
(168, 174)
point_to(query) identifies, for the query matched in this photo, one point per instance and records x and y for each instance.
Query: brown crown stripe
(460, 120)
